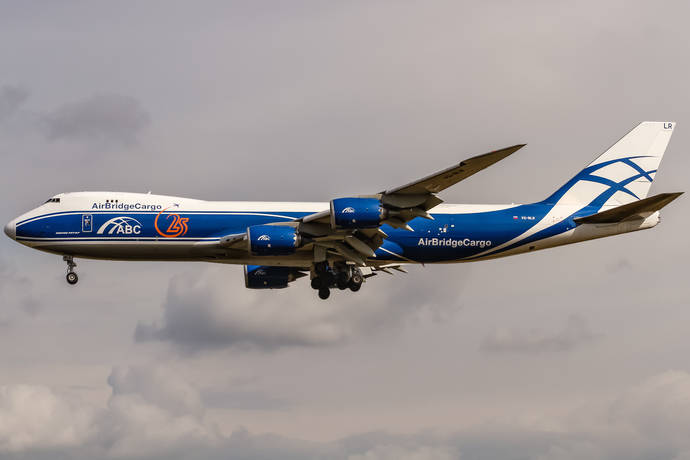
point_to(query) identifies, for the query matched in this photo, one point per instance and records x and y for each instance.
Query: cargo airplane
(342, 243)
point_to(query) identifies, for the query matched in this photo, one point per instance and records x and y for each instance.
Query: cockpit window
(53, 200)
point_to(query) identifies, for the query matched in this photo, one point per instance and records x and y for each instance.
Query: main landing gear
(71, 277)
(341, 276)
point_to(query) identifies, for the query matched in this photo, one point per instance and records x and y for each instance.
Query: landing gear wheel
(328, 279)
(324, 293)
(72, 278)
(356, 280)
(316, 283)
(341, 280)
(354, 287)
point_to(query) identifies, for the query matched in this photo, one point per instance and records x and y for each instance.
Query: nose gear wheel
(71, 276)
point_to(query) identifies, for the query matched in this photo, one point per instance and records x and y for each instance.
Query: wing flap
(233, 241)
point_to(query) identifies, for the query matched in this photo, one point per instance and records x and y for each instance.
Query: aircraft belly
(124, 250)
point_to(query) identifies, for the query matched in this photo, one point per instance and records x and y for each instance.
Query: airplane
(343, 243)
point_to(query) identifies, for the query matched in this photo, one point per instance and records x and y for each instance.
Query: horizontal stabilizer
(636, 209)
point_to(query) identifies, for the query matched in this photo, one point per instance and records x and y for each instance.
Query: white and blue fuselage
(132, 226)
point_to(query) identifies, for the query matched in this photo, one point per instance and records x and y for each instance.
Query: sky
(574, 352)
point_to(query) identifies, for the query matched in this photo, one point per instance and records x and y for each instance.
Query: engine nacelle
(272, 240)
(262, 277)
(356, 213)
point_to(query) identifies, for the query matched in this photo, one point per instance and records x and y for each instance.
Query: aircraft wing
(399, 205)
(443, 179)
(341, 231)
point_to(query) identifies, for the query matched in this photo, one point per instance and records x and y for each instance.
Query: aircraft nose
(11, 229)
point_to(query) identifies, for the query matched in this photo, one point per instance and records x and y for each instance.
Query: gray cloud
(11, 99)
(242, 399)
(101, 122)
(35, 416)
(16, 290)
(158, 386)
(415, 452)
(575, 332)
(649, 420)
(151, 413)
(205, 311)
(110, 120)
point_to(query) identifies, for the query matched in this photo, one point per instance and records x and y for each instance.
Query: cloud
(151, 410)
(16, 289)
(393, 452)
(110, 120)
(158, 386)
(575, 332)
(34, 415)
(658, 407)
(11, 99)
(204, 311)
(151, 413)
(649, 420)
(102, 121)
(243, 399)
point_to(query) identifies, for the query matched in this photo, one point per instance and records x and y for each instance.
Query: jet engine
(357, 213)
(263, 277)
(272, 240)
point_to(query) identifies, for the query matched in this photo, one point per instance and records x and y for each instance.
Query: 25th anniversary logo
(176, 224)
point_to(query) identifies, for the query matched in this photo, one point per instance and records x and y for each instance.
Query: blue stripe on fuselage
(446, 238)
(459, 236)
(68, 225)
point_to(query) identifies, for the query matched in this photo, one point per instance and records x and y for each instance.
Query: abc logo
(120, 226)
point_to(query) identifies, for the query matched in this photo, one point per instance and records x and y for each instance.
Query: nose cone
(11, 229)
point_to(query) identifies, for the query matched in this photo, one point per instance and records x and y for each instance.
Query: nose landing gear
(71, 277)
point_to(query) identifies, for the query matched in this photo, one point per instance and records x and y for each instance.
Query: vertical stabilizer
(622, 174)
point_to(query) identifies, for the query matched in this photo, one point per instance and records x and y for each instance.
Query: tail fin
(622, 174)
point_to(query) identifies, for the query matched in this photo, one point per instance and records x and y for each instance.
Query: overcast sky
(575, 352)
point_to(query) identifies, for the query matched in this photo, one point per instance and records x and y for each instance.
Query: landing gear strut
(71, 277)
